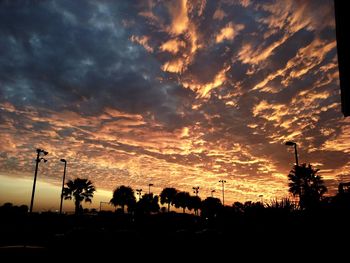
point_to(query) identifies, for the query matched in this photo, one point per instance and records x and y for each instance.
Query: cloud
(219, 14)
(228, 32)
(178, 12)
(173, 46)
(204, 89)
(177, 93)
(143, 41)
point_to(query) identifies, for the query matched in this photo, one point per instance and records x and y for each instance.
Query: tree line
(304, 184)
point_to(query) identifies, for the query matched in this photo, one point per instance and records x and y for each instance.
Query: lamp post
(37, 160)
(223, 195)
(212, 193)
(149, 188)
(289, 143)
(139, 193)
(64, 176)
(196, 190)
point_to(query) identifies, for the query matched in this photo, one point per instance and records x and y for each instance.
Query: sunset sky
(175, 93)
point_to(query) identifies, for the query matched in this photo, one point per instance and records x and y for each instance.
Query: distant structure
(343, 44)
(344, 188)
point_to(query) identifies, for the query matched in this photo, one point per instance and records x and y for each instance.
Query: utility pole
(64, 176)
(196, 190)
(149, 188)
(223, 195)
(37, 160)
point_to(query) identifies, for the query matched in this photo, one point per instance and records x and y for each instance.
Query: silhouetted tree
(123, 196)
(148, 204)
(6, 208)
(307, 185)
(7, 205)
(9, 208)
(211, 207)
(182, 199)
(167, 196)
(342, 198)
(131, 205)
(195, 203)
(80, 190)
(285, 204)
(23, 209)
(253, 209)
(238, 207)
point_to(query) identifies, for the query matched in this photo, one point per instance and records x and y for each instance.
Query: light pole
(223, 195)
(212, 193)
(289, 143)
(196, 190)
(37, 160)
(139, 193)
(64, 176)
(149, 188)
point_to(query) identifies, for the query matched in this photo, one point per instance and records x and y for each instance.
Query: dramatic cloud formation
(178, 93)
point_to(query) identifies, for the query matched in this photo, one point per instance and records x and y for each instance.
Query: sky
(175, 93)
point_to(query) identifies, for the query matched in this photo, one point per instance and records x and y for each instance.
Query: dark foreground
(174, 237)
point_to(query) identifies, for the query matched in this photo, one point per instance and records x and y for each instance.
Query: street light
(149, 188)
(223, 196)
(139, 193)
(64, 176)
(212, 193)
(289, 143)
(37, 160)
(196, 190)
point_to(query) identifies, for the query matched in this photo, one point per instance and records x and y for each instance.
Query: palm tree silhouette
(182, 199)
(195, 203)
(211, 207)
(148, 204)
(81, 190)
(123, 195)
(307, 185)
(167, 196)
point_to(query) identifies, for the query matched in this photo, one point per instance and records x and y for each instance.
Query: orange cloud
(173, 46)
(228, 32)
(143, 41)
(175, 66)
(250, 55)
(219, 14)
(244, 3)
(306, 59)
(178, 13)
(203, 90)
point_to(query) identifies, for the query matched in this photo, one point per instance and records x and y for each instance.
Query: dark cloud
(78, 56)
